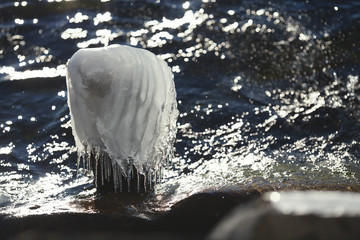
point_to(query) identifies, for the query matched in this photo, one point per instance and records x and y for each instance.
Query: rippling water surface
(269, 96)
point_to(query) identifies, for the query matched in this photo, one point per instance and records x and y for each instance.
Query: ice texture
(123, 111)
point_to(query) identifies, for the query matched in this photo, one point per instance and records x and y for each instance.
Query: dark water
(268, 92)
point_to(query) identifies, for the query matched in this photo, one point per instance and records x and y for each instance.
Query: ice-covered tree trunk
(123, 111)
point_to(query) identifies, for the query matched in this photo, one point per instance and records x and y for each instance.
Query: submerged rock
(294, 215)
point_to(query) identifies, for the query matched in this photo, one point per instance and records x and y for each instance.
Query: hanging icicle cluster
(97, 161)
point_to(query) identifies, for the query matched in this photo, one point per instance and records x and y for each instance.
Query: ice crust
(123, 111)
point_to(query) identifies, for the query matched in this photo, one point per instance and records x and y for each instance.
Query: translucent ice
(123, 111)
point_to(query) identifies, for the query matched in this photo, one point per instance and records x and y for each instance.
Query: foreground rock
(191, 218)
(294, 215)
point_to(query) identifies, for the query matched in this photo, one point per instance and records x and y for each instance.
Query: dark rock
(36, 235)
(201, 212)
(191, 218)
(294, 215)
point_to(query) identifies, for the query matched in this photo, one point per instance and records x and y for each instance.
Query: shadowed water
(268, 95)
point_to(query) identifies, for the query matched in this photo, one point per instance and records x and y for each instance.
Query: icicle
(160, 174)
(128, 180)
(90, 163)
(120, 178)
(96, 159)
(150, 180)
(129, 173)
(83, 160)
(87, 160)
(115, 177)
(145, 181)
(102, 170)
(138, 181)
(107, 169)
(78, 162)
(155, 180)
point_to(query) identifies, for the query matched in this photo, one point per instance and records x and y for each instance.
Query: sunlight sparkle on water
(100, 18)
(103, 36)
(45, 72)
(61, 94)
(186, 5)
(8, 149)
(74, 33)
(45, 195)
(78, 18)
(19, 21)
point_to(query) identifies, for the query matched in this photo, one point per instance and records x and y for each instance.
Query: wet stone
(294, 215)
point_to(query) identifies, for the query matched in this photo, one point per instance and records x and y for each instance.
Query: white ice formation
(123, 111)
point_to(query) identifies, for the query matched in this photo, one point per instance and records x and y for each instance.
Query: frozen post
(123, 112)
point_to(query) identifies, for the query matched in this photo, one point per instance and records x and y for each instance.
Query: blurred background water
(268, 92)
